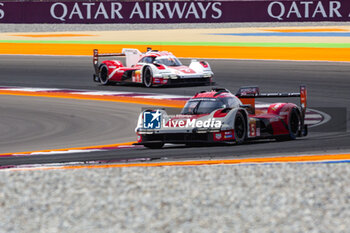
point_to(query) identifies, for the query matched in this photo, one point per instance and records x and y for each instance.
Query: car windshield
(168, 61)
(202, 106)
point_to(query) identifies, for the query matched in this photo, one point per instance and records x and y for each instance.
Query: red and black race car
(153, 68)
(218, 116)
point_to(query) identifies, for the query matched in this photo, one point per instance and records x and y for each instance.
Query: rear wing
(96, 55)
(132, 56)
(248, 95)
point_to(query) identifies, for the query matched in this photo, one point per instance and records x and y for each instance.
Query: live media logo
(152, 120)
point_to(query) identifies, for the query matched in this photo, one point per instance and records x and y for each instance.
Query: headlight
(214, 130)
(167, 76)
(206, 75)
(142, 131)
(202, 131)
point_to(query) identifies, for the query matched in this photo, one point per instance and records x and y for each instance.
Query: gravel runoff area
(115, 27)
(227, 198)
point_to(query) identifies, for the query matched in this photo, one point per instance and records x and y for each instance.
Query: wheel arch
(231, 116)
(245, 115)
(143, 70)
(242, 138)
(292, 135)
(152, 67)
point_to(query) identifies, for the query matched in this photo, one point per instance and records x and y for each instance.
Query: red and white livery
(218, 116)
(152, 68)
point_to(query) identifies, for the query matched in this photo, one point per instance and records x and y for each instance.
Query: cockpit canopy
(197, 106)
(168, 61)
(163, 60)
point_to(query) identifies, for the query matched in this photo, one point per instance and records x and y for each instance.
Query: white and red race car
(152, 68)
(218, 116)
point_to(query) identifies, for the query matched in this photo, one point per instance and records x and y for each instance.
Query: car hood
(181, 70)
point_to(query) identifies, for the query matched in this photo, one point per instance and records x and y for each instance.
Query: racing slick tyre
(154, 145)
(240, 128)
(103, 75)
(293, 126)
(147, 77)
(293, 123)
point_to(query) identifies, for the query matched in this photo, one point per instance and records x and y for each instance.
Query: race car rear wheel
(147, 77)
(103, 75)
(240, 128)
(293, 123)
(154, 145)
(293, 126)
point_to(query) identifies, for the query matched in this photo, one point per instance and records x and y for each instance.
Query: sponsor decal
(249, 91)
(303, 96)
(152, 120)
(192, 123)
(218, 136)
(136, 77)
(159, 10)
(253, 130)
(136, 10)
(228, 134)
(304, 9)
(276, 106)
(62, 11)
(224, 136)
(257, 131)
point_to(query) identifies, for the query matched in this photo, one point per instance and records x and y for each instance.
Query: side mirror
(245, 106)
(156, 63)
(248, 107)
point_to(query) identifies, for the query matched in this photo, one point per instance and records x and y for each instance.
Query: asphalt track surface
(328, 87)
(34, 123)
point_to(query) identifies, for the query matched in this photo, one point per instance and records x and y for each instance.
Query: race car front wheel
(147, 78)
(240, 128)
(103, 75)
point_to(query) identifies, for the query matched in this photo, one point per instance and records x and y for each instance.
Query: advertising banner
(173, 11)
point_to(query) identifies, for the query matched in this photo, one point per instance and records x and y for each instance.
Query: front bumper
(189, 81)
(186, 138)
(164, 79)
(163, 82)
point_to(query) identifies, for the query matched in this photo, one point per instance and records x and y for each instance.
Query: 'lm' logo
(152, 120)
